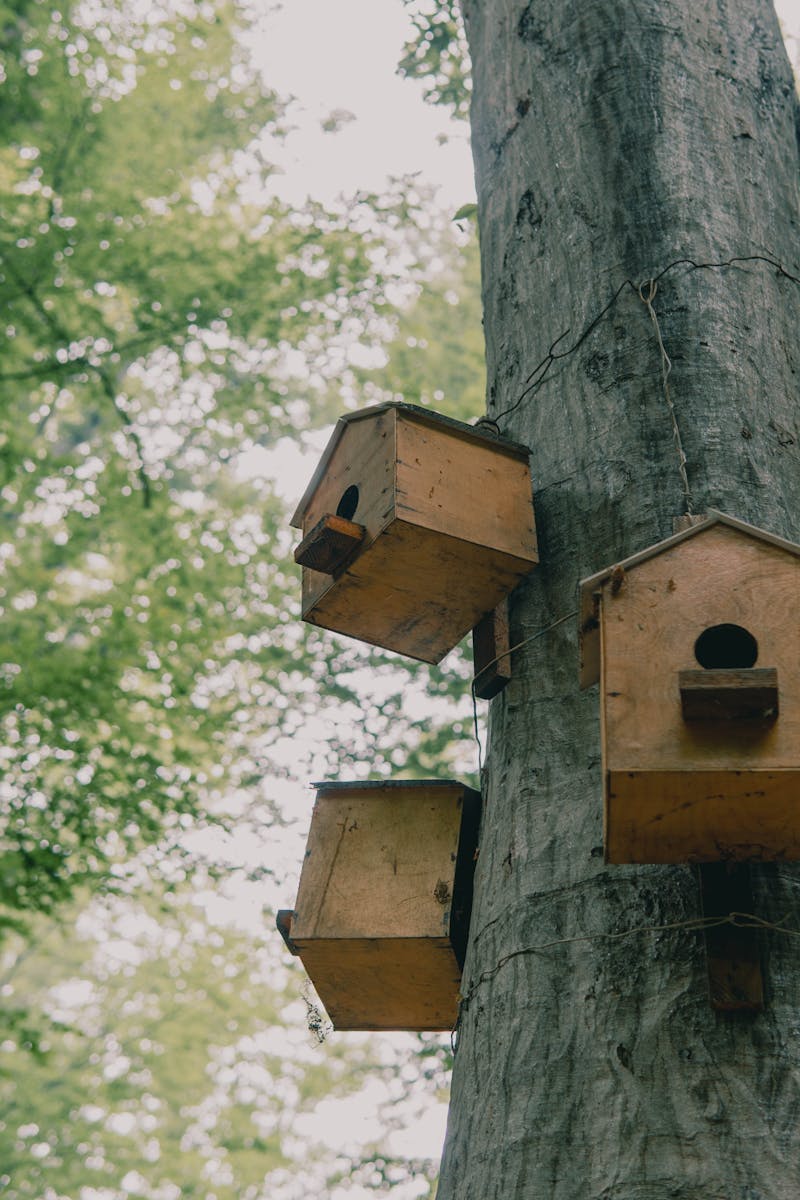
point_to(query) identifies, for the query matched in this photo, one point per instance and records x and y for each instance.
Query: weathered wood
(384, 901)
(613, 578)
(449, 527)
(490, 653)
(471, 489)
(415, 591)
(363, 456)
(735, 982)
(749, 694)
(283, 921)
(330, 544)
(679, 790)
(385, 983)
(699, 816)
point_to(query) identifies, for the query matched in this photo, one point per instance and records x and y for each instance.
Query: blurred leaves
(437, 54)
(163, 1054)
(165, 316)
(171, 333)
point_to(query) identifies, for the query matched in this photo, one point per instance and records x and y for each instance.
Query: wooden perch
(735, 983)
(741, 694)
(490, 652)
(330, 545)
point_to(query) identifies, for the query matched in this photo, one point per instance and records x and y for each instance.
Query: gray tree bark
(612, 140)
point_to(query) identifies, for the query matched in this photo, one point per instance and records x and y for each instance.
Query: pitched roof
(388, 785)
(589, 588)
(417, 413)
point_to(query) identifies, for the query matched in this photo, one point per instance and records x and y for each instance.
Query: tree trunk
(612, 140)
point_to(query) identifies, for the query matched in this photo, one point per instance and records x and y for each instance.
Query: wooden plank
(747, 694)
(283, 921)
(490, 653)
(383, 907)
(701, 816)
(363, 458)
(330, 545)
(463, 869)
(395, 983)
(380, 868)
(482, 431)
(735, 982)
(686, 527)
(649, 633)
(469, 489)
(414, 591)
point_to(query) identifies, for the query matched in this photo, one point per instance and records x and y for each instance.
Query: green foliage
(438, 54)
(163, 1064)
(156, 301)
(165, 321)
(436, 357)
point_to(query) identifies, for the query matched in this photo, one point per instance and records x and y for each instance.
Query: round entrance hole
(348, 504)
(726, 647)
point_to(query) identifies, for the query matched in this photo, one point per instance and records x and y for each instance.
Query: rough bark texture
(611, 139)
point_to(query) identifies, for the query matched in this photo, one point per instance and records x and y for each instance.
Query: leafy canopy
(164, 316)
(165, 321)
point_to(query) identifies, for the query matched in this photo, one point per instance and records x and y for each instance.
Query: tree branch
(63, 335)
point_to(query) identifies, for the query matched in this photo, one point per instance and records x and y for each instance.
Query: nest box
(696, 645)
(414, 526)
(384, 900)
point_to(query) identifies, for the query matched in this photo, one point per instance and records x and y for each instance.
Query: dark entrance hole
(726, 646)
(348, 503)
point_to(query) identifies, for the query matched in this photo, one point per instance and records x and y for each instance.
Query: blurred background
(221, 225)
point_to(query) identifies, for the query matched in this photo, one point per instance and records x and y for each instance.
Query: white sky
(343, 55)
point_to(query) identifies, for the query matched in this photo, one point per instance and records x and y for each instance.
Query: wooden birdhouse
(696, 646)
(414, 526)
(383, 906)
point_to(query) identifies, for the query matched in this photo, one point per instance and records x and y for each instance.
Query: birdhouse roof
(380, 785)
(591, 587)
(415, 413)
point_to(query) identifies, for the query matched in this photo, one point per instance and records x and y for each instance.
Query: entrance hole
(726, 647)
(348, 504)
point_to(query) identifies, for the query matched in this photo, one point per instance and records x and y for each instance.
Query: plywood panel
(649, 628)
(380, 866)
(697, 816)
(491, 657)
(409, 983)
(472, 490)
(735, 982)
(364, 457)
(330, 544)
(749, 695)
(414, 591)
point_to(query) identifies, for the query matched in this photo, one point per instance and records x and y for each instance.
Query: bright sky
(789, 15)
(342, 55)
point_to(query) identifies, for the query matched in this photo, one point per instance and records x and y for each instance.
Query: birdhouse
(414, 526)
(383, 906)
(696, 646)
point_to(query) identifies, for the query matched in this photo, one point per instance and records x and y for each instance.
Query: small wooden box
(383, 906)
(701, 746)
(438, 528)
